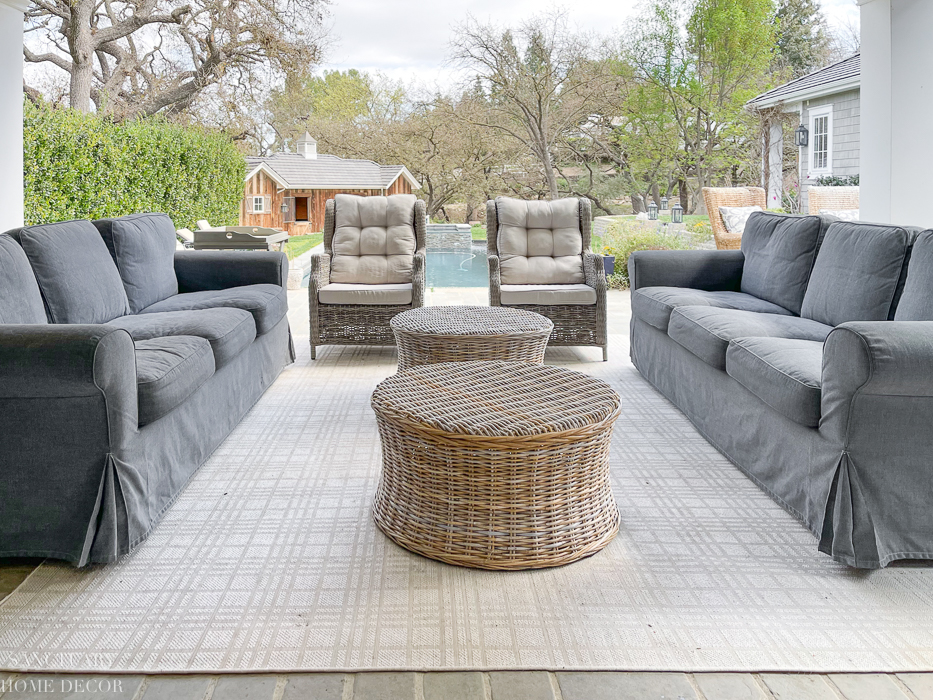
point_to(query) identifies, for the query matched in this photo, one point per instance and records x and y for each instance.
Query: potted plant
(609, 260)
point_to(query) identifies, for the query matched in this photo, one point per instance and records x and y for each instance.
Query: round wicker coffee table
(496, 465)
(432, 334)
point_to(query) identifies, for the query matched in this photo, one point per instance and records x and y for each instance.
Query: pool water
(457, 269)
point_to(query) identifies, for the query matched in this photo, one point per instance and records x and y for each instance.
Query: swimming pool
(457, 269)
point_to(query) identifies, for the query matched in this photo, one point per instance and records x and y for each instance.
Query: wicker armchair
(832, 199)
(540, 259)
(716, 197)
(362, 281)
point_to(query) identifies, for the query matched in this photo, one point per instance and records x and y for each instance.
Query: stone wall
(449, 238)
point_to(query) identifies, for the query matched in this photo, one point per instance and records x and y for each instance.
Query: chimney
(307, 146)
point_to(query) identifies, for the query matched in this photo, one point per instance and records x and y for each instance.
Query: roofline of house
(402, 172)
(268, 171)
(842, 85)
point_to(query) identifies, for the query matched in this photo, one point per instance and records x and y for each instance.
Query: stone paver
(798, 687)
(621, 686)
(867, 686)
(920, 684)
(245, 688)
(176, 687)
(71, 687)
(454, 686)
(729, 686)
(521, 685)
(385, 686)
(314, 686)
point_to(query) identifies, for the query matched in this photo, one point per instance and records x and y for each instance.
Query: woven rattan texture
(716, 197)
(832, 198)
(461, 333)
(496, 465)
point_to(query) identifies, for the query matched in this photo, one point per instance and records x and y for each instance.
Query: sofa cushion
(654, 305)
(857, 272)
(548, 294)
(374, 294)
(268, 303)
(20, 298)
(79, 282)
(783, 372)
(374, 239)
(143, 248)
(168, 371)
(916, 303)
(229, 331)
(539, 242)
(707, 331)
(780, 250)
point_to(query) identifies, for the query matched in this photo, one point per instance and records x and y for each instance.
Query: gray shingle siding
(845, 142)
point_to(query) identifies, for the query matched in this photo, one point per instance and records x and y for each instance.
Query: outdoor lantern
(284, 207)
(801, 136)
(652, 212)
(677, 214)
(664, 201)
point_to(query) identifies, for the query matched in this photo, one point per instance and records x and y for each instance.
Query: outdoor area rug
(270, 561)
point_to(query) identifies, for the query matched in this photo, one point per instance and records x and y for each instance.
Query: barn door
(289, 216)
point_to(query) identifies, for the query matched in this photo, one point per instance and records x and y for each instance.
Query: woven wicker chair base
(504, 496)
(573, 324)
(356, 324)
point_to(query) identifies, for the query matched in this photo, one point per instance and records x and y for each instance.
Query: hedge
(85, 166)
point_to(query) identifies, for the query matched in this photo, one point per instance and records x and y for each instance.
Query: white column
(776, 166)
(11, 113)
(896, 103)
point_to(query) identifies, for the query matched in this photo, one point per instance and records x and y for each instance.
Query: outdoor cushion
(842, 214)
(20, 298)
(916, 303)
(736, 218)
(374, 239)
(856, 274)
(79, 282)
(379, 294)
(654, 305)
(539, 242)
(143, 248)
(780, 250)
(168, 371)
(268, 303)
(548, 294)
(706, 331)
(783, 372)
(229, 331)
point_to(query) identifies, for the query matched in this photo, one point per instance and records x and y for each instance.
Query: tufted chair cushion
(540, 242)
(374, 239)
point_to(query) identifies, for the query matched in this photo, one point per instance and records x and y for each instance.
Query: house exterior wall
(11, 113)
(846, 138)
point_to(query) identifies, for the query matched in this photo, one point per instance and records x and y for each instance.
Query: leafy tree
(802, 43)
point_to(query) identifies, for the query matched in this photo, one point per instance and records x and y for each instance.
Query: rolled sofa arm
(202, 270)
(710, 270)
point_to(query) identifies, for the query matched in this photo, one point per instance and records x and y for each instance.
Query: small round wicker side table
(496, 465)
(432, 334)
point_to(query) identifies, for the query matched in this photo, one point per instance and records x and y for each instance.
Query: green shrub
(837, 181)
(622, 238)
(84, 166)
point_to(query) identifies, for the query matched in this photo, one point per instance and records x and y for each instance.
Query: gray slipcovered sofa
(123, 365)
(806, 358)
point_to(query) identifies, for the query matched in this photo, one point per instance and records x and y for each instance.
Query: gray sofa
(123, 365)
(806, 358)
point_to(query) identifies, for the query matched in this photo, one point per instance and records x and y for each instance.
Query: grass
(297, 245)
(479, 232)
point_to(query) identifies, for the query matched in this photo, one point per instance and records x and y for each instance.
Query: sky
(408, 40)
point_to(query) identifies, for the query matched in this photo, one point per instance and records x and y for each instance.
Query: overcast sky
(408, 40)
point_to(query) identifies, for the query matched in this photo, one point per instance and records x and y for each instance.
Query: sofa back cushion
(20, 298)
(779, 253)
(539, 242)
(374, 239)
(79, 282)
(916, 302)
(857, 273)
(143, 248)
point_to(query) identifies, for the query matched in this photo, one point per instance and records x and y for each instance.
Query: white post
(11, 113)
(776, 165)
(896, 101)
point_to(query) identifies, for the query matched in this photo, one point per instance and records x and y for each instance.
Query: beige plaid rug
(270, 561)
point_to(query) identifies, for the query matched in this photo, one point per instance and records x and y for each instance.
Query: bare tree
(144, 57)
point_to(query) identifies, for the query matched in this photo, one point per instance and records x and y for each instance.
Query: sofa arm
(495, 280)
(710, 270)
(202, 270)
(594, 270)
(418, 278)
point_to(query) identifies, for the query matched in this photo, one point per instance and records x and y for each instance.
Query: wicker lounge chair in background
(372, 268)
(716, 197)
(820, 199)
(540, 260)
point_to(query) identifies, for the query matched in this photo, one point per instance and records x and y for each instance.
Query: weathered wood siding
(846, 138)
(261, 184)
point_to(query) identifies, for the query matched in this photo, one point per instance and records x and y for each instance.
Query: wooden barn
(289, 190)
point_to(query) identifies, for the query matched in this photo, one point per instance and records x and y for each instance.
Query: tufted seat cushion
(374, 239)
(540, 242)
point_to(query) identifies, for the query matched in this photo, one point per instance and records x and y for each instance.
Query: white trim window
(259, 204)
(821, 141)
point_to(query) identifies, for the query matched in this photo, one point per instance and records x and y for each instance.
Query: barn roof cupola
(307, 146)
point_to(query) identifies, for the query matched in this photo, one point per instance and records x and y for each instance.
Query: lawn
(297, 245)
